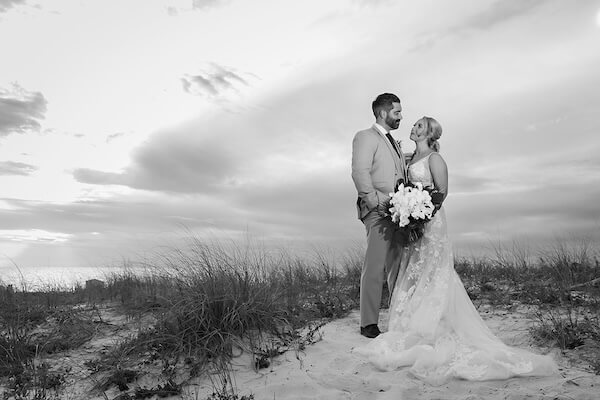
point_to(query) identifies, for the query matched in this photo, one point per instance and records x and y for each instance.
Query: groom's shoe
(370, 331)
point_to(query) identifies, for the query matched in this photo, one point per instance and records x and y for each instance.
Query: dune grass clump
(572, 321)
(22, 344)
(210, 303)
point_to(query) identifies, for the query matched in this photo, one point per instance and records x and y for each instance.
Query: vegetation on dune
(206, 304)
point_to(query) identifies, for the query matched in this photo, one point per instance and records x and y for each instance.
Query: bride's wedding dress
(434, 327)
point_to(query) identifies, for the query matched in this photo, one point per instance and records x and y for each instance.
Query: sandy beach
(328, 370)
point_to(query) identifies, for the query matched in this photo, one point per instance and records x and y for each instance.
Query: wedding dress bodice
(419, 172)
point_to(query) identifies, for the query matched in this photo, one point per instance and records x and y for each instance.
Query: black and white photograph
(341, 199)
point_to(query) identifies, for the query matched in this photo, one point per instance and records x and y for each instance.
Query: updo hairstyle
(434, 132)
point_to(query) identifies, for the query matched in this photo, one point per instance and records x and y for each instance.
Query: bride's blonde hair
(434, 132)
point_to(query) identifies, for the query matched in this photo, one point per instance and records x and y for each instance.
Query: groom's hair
(384, 102)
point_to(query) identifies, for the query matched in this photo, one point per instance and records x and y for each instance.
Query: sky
(127, 126)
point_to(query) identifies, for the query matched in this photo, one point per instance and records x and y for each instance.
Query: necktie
(404, 177)
(389, 136)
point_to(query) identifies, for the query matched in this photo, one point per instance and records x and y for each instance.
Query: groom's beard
(392, 123)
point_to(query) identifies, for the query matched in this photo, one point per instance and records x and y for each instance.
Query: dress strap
(421, 159)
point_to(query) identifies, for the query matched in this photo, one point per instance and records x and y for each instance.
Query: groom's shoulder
(366, 132)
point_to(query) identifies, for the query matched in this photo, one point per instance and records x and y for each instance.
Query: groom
(377, 166)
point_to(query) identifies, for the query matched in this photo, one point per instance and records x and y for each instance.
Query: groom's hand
(383, 208)
(437, 198)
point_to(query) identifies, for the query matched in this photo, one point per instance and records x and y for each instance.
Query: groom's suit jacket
(376, 168)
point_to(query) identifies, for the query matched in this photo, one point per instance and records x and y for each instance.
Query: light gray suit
(376, 168)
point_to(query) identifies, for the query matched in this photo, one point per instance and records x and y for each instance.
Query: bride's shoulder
(436, 157)
(436, 160)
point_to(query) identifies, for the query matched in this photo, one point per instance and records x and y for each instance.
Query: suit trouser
(383, 257)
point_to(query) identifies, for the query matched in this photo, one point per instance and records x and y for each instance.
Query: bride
(433, 326)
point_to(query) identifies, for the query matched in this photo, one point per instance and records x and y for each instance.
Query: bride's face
(419, 131)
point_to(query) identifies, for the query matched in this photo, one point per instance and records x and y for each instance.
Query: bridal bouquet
(411, 206)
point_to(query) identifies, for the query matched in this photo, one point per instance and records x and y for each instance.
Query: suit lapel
(395, 150)
(403, 167)
(402, 161)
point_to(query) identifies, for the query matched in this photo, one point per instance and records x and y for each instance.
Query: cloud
(278, 169)
(203, 4)
(302, 206)
(177, 161)
(16, 168)
(214, 84)
(468, 182)
(95, 177)
(555, 209)
(307, 205)
(127, 215)
(289, 132)
(20, 110)
(283, 165)
(114, 136)
(500, 11)
(32, 235)
(5, 5)
(372, 3)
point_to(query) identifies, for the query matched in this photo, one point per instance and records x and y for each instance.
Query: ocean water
(58, 277)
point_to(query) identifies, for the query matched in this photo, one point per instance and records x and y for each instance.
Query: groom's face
(394, 116)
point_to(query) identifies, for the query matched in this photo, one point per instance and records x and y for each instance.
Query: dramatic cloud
(213, 84)
(5, 5)
(285, 165)
(513, 83)
(16, 168)
(20, 110)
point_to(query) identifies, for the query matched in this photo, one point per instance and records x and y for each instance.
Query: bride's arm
(439, 173)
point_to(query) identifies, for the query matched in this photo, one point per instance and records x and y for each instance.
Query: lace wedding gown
(433, 325)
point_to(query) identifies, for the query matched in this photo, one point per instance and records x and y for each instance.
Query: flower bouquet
(412, 206)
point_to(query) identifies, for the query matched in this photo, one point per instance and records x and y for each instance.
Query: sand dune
(329, 370)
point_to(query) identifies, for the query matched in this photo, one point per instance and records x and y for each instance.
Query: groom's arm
(363, 150)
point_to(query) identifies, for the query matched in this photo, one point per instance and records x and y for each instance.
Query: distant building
(6, 293)
(94, 289)
(94, 284)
